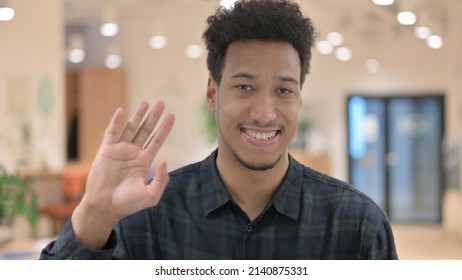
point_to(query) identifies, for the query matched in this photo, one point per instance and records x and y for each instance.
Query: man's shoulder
(336, 198)
(326, 187)
(322, 182)
(193, 173)
(186, 170)
(186, 173)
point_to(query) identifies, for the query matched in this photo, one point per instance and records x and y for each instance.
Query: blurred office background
(382, 106)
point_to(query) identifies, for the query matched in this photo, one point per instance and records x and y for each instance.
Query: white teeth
(261, 136)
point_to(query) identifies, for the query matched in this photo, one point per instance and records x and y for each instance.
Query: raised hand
(117, 184)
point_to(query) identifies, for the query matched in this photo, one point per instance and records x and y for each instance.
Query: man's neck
(252, 190)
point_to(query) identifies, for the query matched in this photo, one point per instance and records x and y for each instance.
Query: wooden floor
(433, 241)
(427, 242)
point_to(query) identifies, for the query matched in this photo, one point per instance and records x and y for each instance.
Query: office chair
(72, 188)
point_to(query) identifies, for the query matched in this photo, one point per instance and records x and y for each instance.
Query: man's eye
(244, 87)
(284, 90)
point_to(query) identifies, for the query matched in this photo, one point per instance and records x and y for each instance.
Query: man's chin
(258, 166)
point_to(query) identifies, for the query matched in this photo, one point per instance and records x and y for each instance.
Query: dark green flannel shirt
(311, 216)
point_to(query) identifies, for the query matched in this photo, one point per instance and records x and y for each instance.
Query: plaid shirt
(311, 216)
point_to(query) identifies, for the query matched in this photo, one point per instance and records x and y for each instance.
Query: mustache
(257, 124)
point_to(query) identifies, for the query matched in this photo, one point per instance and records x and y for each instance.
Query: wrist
(92, 227)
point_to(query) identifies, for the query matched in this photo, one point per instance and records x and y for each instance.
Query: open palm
(117, 183)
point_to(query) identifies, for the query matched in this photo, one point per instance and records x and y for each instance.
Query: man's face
(257, 103)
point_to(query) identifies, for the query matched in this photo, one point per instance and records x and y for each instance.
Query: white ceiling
(361, 20)
(87, 11)
(90, 11)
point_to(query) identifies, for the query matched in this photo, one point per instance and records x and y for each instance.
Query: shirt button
(249, 229)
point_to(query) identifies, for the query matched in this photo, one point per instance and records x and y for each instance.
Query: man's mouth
(260, 135)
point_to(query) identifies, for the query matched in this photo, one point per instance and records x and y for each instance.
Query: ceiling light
(406, 18)
(113, 61)
(422, 32)
(343, 54)
(435, 42)
(113, 58)
(109, 27)
(335, 38)
(324, 47)
(6, 13)
(194, 51)
(76, 52)
(76, 55)
(227, 4)
(158, 42)
(383, 2)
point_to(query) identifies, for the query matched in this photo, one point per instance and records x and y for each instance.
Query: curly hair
(265, 20)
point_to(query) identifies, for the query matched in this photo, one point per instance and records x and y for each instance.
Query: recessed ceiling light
(343, 54)
(406, 18)
(113, 61)
(158, 42)
(422, 32)
(76, 55)
(335, 38)
(227, 4)
(324, 47)
(109, 29)
(383, 2)
(435, 42)
(6, 14)
(194, 51)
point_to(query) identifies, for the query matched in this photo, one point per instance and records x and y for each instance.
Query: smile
(260, 135)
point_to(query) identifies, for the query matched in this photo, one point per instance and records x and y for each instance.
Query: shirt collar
(286, 201)
(213, 190)
(288, 197)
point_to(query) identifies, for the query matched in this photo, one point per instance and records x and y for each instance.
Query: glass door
(395, 154)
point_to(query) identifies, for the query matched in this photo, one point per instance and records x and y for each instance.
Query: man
(249, 199)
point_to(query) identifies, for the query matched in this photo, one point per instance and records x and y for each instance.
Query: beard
(256, 166)
(264, 166)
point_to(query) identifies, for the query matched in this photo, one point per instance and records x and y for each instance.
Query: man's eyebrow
(289, 79)
(253, 77)
(244, 75)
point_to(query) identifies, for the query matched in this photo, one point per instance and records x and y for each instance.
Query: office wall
(31, 86)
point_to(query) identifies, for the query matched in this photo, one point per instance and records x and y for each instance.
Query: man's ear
(212, 90)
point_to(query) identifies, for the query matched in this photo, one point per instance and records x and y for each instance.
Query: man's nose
(263, 108)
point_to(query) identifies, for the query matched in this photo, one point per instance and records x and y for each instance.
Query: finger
(147, 127)
(111, 133)
(157, 185)
(131, 127)
(157, 140)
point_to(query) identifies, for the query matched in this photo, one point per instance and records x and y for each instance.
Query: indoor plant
(16, 197)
